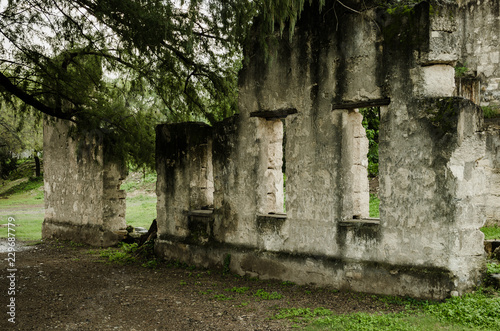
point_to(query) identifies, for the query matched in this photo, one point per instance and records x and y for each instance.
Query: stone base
(86, 234)
(361, 276)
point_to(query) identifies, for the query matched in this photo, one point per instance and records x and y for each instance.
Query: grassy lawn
(23, 200)
(141, 210)
(374, 206)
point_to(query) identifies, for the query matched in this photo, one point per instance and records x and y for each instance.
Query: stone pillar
(359, 168)
(83, 200)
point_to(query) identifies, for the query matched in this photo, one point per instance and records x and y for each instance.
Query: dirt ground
(68, 287)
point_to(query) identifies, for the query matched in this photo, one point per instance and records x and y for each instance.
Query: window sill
(361, 221)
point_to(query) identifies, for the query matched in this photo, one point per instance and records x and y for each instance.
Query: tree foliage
(371, 123)
(117, 67)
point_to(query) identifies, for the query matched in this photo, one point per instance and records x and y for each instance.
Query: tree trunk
(37, 165)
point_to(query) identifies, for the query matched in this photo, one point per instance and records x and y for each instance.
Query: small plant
(128, 248)
(491, 232)
(75, 245)
(493, 268)
(240, 290)
(267, 296)
(151, 264)
(121, 256)
(243, 304)
(206, 292)
(183, 282)
(461, 70)
(221, 297)
(302, 315)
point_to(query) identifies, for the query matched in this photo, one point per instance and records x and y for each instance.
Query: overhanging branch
(30, 100)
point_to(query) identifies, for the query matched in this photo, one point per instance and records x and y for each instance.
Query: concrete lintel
(361, 221)
(362, 104)
(274, 114)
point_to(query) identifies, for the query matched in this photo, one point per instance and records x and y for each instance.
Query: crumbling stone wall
(492, 169)
(83, 200)
(427, 242)
(477, 23)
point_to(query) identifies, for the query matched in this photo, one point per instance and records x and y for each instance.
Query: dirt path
(67, 287)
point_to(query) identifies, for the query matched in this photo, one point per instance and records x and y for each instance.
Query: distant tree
(371, 123)
(19, 134)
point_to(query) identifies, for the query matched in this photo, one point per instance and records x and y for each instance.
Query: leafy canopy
(117, 67)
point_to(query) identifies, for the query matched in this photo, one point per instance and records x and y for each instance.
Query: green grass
(141, 210)
(374, 206)
(30, 226)
(490, 112)
(491, 232)
(267, 296)
(137, 181)
(24, 186)
(477, 311)
(24, 202)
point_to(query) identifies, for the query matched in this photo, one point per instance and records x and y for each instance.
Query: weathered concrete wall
(185, 178)
(478, 25)
(83, 202)
(492, 169)
(427, 242)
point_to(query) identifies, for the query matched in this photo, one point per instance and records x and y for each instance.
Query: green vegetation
(490, 112)
(29, 226)
(141, 200)
(491, 232)
(221, 297)
(141, 210)
(374, 206)
(32, 183)
(477, 311)
(493, 268)
(137, 181)
(122, 255)
(23, 200)
(461, 70)
(267, 296)
(239, 290)
(371, 123)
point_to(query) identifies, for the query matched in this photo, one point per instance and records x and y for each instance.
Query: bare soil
(68, 287)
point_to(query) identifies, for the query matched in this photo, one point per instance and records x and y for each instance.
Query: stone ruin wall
(83, 202)
(427, 242)
(220, 189)
(479, 25)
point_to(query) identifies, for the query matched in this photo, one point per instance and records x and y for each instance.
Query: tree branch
(30, 100)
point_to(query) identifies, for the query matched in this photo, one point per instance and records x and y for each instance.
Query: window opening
(371, 124)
